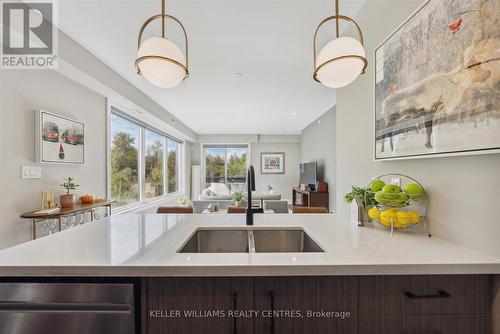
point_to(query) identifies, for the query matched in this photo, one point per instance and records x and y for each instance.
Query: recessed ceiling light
(280, 130)
(188, 114)
(294, 114)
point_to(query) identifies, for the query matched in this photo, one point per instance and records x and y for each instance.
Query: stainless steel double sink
(254, 240)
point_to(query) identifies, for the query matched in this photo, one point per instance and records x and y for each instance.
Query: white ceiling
(250, 60)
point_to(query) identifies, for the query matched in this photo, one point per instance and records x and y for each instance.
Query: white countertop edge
(252, 271)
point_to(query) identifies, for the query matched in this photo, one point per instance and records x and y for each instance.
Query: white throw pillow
(237, 187)
(220, 189)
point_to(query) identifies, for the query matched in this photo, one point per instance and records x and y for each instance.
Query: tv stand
(311, 198)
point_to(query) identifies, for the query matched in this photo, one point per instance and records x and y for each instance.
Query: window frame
(204, 146)
(143, 126)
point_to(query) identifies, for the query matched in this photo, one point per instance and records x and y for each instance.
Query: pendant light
(159, 59)
(343, 59)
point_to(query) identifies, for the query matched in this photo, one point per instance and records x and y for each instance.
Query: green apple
(414, 190)
(377, 185)
(391, 188)
(391, 199)
(402, 199)
(386, 198)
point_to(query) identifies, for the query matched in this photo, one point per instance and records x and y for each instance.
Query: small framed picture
(59, 139)
(272, 163)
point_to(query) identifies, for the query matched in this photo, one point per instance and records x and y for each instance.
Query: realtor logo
(29, 35)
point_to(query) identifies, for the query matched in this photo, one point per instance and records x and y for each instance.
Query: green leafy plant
(69, 184)
(237, 196)
(362, 195)
(184, 201)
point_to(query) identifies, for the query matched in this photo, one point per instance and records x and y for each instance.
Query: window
(124, 161)
(225, 163)
(153, 162)
(145, 163)
(173, 166)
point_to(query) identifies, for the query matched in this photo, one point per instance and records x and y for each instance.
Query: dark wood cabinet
(311, 198)
(424, 294)
(198, 305)
(438, 304)
(441, 304)
(302, 305)
(425, 324)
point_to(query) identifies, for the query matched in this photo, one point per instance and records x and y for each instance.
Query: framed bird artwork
(437, 80)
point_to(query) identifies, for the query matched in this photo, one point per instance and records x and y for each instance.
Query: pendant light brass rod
(163, 18)
(334, 17)
(337, 15)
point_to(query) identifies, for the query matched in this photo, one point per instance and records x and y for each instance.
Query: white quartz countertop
(147, 245)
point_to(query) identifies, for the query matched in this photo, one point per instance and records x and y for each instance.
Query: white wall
(77, 90)
(21, 92)
(319, 145)
(464, 191)
(289, 144)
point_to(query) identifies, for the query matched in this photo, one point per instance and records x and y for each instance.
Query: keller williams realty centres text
(248, 314)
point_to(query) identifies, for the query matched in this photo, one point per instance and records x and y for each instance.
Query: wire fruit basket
(401, 202)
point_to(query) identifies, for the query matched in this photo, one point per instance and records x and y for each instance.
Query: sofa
(223, 192)
(276, 205)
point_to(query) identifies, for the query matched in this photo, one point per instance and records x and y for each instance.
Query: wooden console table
(311, 198)
(63, 212)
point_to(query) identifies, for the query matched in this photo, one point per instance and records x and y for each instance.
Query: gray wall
(21, 92)
(281, 183)
(464, 191)
(318, 145)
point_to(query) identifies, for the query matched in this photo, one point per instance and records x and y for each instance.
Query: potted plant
(184, 201)
(364, 200)
(237, 198)
(68, 200)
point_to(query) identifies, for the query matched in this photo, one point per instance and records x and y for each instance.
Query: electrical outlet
(30, 172)
(396, 181)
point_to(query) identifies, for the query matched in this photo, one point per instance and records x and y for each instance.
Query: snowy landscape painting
(437, 82)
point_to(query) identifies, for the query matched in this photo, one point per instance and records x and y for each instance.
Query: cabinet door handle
(271, 299)
(49, 307)
(235, 303)
(439, 294)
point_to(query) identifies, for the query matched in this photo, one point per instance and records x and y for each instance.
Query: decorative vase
(238, 203)
(67, 201)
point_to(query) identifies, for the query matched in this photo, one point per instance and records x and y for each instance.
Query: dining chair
(310, 209)
(236, 209)
(174, 209)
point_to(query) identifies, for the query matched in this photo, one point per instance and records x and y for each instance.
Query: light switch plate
(396, 181)
(31, 172)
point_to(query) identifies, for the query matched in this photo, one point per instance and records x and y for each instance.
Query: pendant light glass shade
(159, 59)
(345, 69)
(343, 59)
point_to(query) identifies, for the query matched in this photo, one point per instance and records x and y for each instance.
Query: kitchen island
(148, 245)
(346, 280)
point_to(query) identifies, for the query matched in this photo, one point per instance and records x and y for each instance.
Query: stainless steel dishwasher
(62, 308)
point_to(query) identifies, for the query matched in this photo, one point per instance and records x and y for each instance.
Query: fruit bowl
(402, 201)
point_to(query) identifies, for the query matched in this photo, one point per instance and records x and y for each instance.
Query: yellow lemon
(374, 213)
(414, 217)
(388, 217)
(403, 218)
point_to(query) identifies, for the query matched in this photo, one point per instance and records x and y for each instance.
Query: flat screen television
(308, 173)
